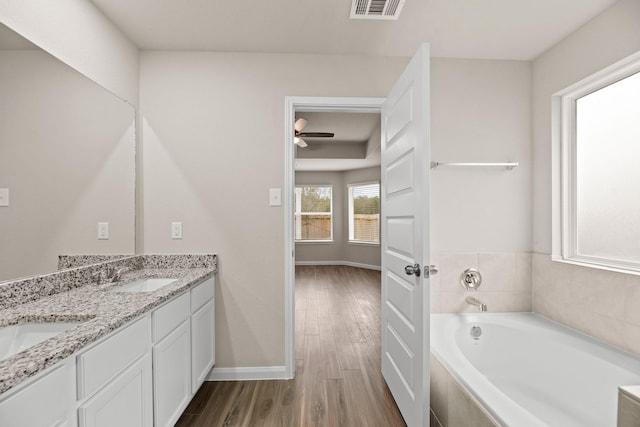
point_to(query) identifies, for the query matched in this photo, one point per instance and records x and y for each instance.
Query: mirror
(67, 163)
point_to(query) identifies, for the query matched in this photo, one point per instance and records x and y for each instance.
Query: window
(364, 213)
(313, 216)
(596, 181)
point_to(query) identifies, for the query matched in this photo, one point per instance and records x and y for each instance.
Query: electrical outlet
(4, 197)
(103, 230)
(275, 197)
(176, 230)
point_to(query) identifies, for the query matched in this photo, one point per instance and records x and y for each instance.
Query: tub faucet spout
(477, 303)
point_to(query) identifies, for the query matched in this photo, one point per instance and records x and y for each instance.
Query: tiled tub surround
(527, 371)
(451, 403)
(506, 282)
(101, 312)
(629, 406)
(600, 303)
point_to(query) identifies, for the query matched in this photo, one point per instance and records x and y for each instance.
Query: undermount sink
(148, 284)
(16, 338)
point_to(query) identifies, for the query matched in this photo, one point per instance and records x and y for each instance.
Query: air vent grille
(376, 9)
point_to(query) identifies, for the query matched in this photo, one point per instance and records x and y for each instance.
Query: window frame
(296, 213)
(564, 167)
(350, 227)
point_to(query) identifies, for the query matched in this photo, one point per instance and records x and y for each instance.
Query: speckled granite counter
(99, 310)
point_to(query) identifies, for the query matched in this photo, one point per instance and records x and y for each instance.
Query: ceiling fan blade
(316, 134)
(301, 143)
(300, 124)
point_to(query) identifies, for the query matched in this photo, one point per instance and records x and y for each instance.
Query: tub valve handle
(412, 269)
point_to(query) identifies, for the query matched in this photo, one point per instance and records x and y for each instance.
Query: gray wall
(67, 155)
(340, 250)
(213, 129)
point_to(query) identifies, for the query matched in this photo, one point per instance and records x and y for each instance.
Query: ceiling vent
(376, 9)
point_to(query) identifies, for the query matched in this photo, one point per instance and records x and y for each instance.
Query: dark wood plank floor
(338, 380)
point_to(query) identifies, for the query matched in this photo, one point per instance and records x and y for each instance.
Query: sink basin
(148, 284)
(16, 338)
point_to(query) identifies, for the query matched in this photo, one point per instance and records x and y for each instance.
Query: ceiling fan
(298, 134)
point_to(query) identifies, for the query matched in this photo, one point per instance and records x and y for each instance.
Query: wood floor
(338, 380)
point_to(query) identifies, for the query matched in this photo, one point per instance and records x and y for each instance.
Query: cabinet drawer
(169, 316)
(201, 294)
(47, 401)
(103, 362)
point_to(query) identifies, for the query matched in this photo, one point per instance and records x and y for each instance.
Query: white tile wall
(603, 304)
(506, 282)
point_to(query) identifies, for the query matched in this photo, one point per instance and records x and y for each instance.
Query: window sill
(599, 266)
(356, 243)
(315, 242)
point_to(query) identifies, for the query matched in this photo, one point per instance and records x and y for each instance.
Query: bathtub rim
(504, 410)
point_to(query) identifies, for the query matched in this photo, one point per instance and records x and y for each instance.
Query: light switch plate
(103, 230)
(4, 197)
(176, 230)
(275, 197)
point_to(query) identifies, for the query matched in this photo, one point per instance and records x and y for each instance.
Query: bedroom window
(313, 215)
(596, 173)
(364, 213)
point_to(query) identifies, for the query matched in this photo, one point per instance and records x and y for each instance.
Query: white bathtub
(528, 371)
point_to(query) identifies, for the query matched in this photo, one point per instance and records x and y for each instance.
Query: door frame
(292, 105)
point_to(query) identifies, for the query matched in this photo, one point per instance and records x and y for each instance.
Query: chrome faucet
(476, 302)
(109, 275)
(116, 275)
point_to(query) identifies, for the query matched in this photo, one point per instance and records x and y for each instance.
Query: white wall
(213, 136)
(480, 112)
(481, 218)
(67, 155)
(77, 33)
(340, 249)
(606, 39)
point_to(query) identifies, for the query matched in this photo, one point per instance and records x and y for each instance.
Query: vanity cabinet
(171, 360)
(123, 402)
(144, 374)
(183, 350)
(203, 350)
(46, 400)
(114, 379)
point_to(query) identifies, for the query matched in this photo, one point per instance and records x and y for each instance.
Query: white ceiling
(350, 129)
(347, 127)
(498, 29)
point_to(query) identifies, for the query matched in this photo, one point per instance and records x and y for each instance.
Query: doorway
(404, 235)
(295, 105)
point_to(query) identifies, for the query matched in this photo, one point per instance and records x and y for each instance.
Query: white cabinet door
(124, 402)
(171, 376)
(203, 350)
(47, 401)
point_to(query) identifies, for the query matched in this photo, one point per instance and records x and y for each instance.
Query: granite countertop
(100, 312)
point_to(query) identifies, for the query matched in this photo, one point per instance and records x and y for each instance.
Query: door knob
(412, 270)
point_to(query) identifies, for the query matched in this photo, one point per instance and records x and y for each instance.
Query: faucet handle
(117, 274)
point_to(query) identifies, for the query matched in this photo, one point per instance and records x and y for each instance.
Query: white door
(405, 237)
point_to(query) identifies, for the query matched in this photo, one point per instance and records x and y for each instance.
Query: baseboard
(347, 263)
(248, 373)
